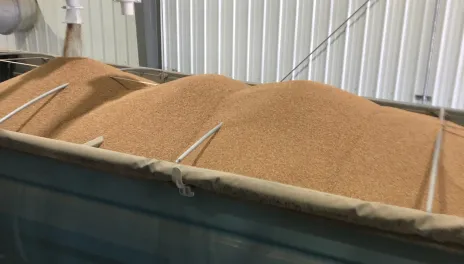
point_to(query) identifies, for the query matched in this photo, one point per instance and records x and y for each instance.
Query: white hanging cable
(325, 40)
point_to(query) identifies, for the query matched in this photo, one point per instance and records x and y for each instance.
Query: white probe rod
(33, 101)
(196, 144)
(435, 162)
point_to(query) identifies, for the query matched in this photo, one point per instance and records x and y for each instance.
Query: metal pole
(148, 24)
(26, 58)
(7, 53)
(130, 80)
(435, 160)
(196, 144)
(138, 69)
(20, 63)
(33, 101)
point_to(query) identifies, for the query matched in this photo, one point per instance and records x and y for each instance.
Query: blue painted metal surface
(53, 212)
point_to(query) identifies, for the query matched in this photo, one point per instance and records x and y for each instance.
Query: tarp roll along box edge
(435, 228)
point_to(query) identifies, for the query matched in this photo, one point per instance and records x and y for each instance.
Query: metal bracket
(96, 142)
(184, 190)
(423, 98)
(163, 76)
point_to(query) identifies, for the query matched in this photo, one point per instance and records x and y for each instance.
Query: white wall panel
(385, 51)
(449, 49)
(255, 41)
(107, 35)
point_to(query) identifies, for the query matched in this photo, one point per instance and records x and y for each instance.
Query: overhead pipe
(73, 12)
(17, 15)
(127, 7)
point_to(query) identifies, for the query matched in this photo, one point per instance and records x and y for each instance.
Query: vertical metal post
(148, 22)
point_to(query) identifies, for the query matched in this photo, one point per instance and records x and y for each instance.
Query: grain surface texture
(301, 133)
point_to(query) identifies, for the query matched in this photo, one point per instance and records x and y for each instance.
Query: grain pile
(90, 86)
(157, 122)
(300, 133)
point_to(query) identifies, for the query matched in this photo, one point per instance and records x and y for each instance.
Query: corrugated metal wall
(107, 35)
(389, 50)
